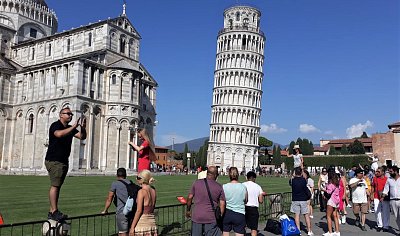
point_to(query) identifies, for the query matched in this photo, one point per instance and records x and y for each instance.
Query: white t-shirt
(360, 192)
(374, 165)
(253, 191)
(310, 185)
(297, 160)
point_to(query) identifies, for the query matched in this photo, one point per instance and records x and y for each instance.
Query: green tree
(344, 150)
(264, 143)
(332, 150)
(364, 135)
(263, 160)
(201, 158)
(277, 161)
(186, 150)
(306, 146)
(357, 147)
(291, 146)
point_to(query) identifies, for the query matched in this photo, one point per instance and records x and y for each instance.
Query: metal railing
(171, 220)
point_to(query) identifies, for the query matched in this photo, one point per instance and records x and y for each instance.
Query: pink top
(334, 190)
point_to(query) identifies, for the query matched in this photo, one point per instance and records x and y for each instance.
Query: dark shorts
(57, 172)
(211, 229)
(235, 221)
(123, 223)
(252, 217)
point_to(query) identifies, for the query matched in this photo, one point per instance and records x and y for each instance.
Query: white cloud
(167, 139)
(306, 128)
(272, 129)
(357, 129)
(328, 132)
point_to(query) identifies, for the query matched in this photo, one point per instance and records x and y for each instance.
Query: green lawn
(25, 198)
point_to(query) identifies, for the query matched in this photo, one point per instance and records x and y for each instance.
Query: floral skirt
(146, 226)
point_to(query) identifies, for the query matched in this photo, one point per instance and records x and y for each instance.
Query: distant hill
(193, 145)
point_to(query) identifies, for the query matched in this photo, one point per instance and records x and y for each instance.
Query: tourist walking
(310, 186)
(392, 189)
(381, 204)
(146, 150)
(332, 195)
(144, 222)
(344, 199)
(255, 196)
(359, 198)
(322, 181)
(119, 194)
(58, 151)
(236, 198)
(202, 215)
(299, 199)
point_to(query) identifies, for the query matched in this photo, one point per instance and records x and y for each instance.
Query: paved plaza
(320, 226)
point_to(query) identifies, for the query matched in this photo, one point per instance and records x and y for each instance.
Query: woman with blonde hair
(236, 198)
(146, 150)
(144, 222)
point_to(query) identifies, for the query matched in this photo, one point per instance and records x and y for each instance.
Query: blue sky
(331, 67)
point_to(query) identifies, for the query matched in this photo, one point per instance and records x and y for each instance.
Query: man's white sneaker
(336, 234)
(310, 233)
(348, 205)
(327, 234)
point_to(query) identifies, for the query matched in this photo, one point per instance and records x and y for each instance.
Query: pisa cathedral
(93, 69)
(238, 76)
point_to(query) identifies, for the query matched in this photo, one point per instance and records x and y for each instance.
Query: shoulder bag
(217, 209)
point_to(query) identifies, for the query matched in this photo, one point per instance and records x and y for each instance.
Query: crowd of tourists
(365, 189)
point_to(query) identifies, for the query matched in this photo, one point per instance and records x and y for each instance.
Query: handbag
(329, 195)
(217, 209)
(308, 193)
(289, 227)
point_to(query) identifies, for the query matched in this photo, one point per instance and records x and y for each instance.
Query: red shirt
(379, 184)
(144, 153)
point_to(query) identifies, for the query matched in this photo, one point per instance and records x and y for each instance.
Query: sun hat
(296, 146)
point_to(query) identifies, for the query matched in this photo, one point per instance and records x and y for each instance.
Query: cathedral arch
(7, 21)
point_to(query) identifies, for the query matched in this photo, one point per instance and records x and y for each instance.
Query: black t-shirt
(299, 188)
(59, 148)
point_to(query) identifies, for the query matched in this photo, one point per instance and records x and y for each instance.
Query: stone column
(89, 73)
(3, 153)
(22, 143)
(103, 163)
(96, 84)
(1, 86)
(89, 139)
(128, 148)
(117, 144)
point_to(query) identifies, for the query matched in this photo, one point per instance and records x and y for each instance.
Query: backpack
(130, 204)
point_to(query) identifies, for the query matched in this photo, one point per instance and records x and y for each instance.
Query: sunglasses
(138, 178)
(68, 113)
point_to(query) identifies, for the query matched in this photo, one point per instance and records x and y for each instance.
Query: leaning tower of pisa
(238, 76)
